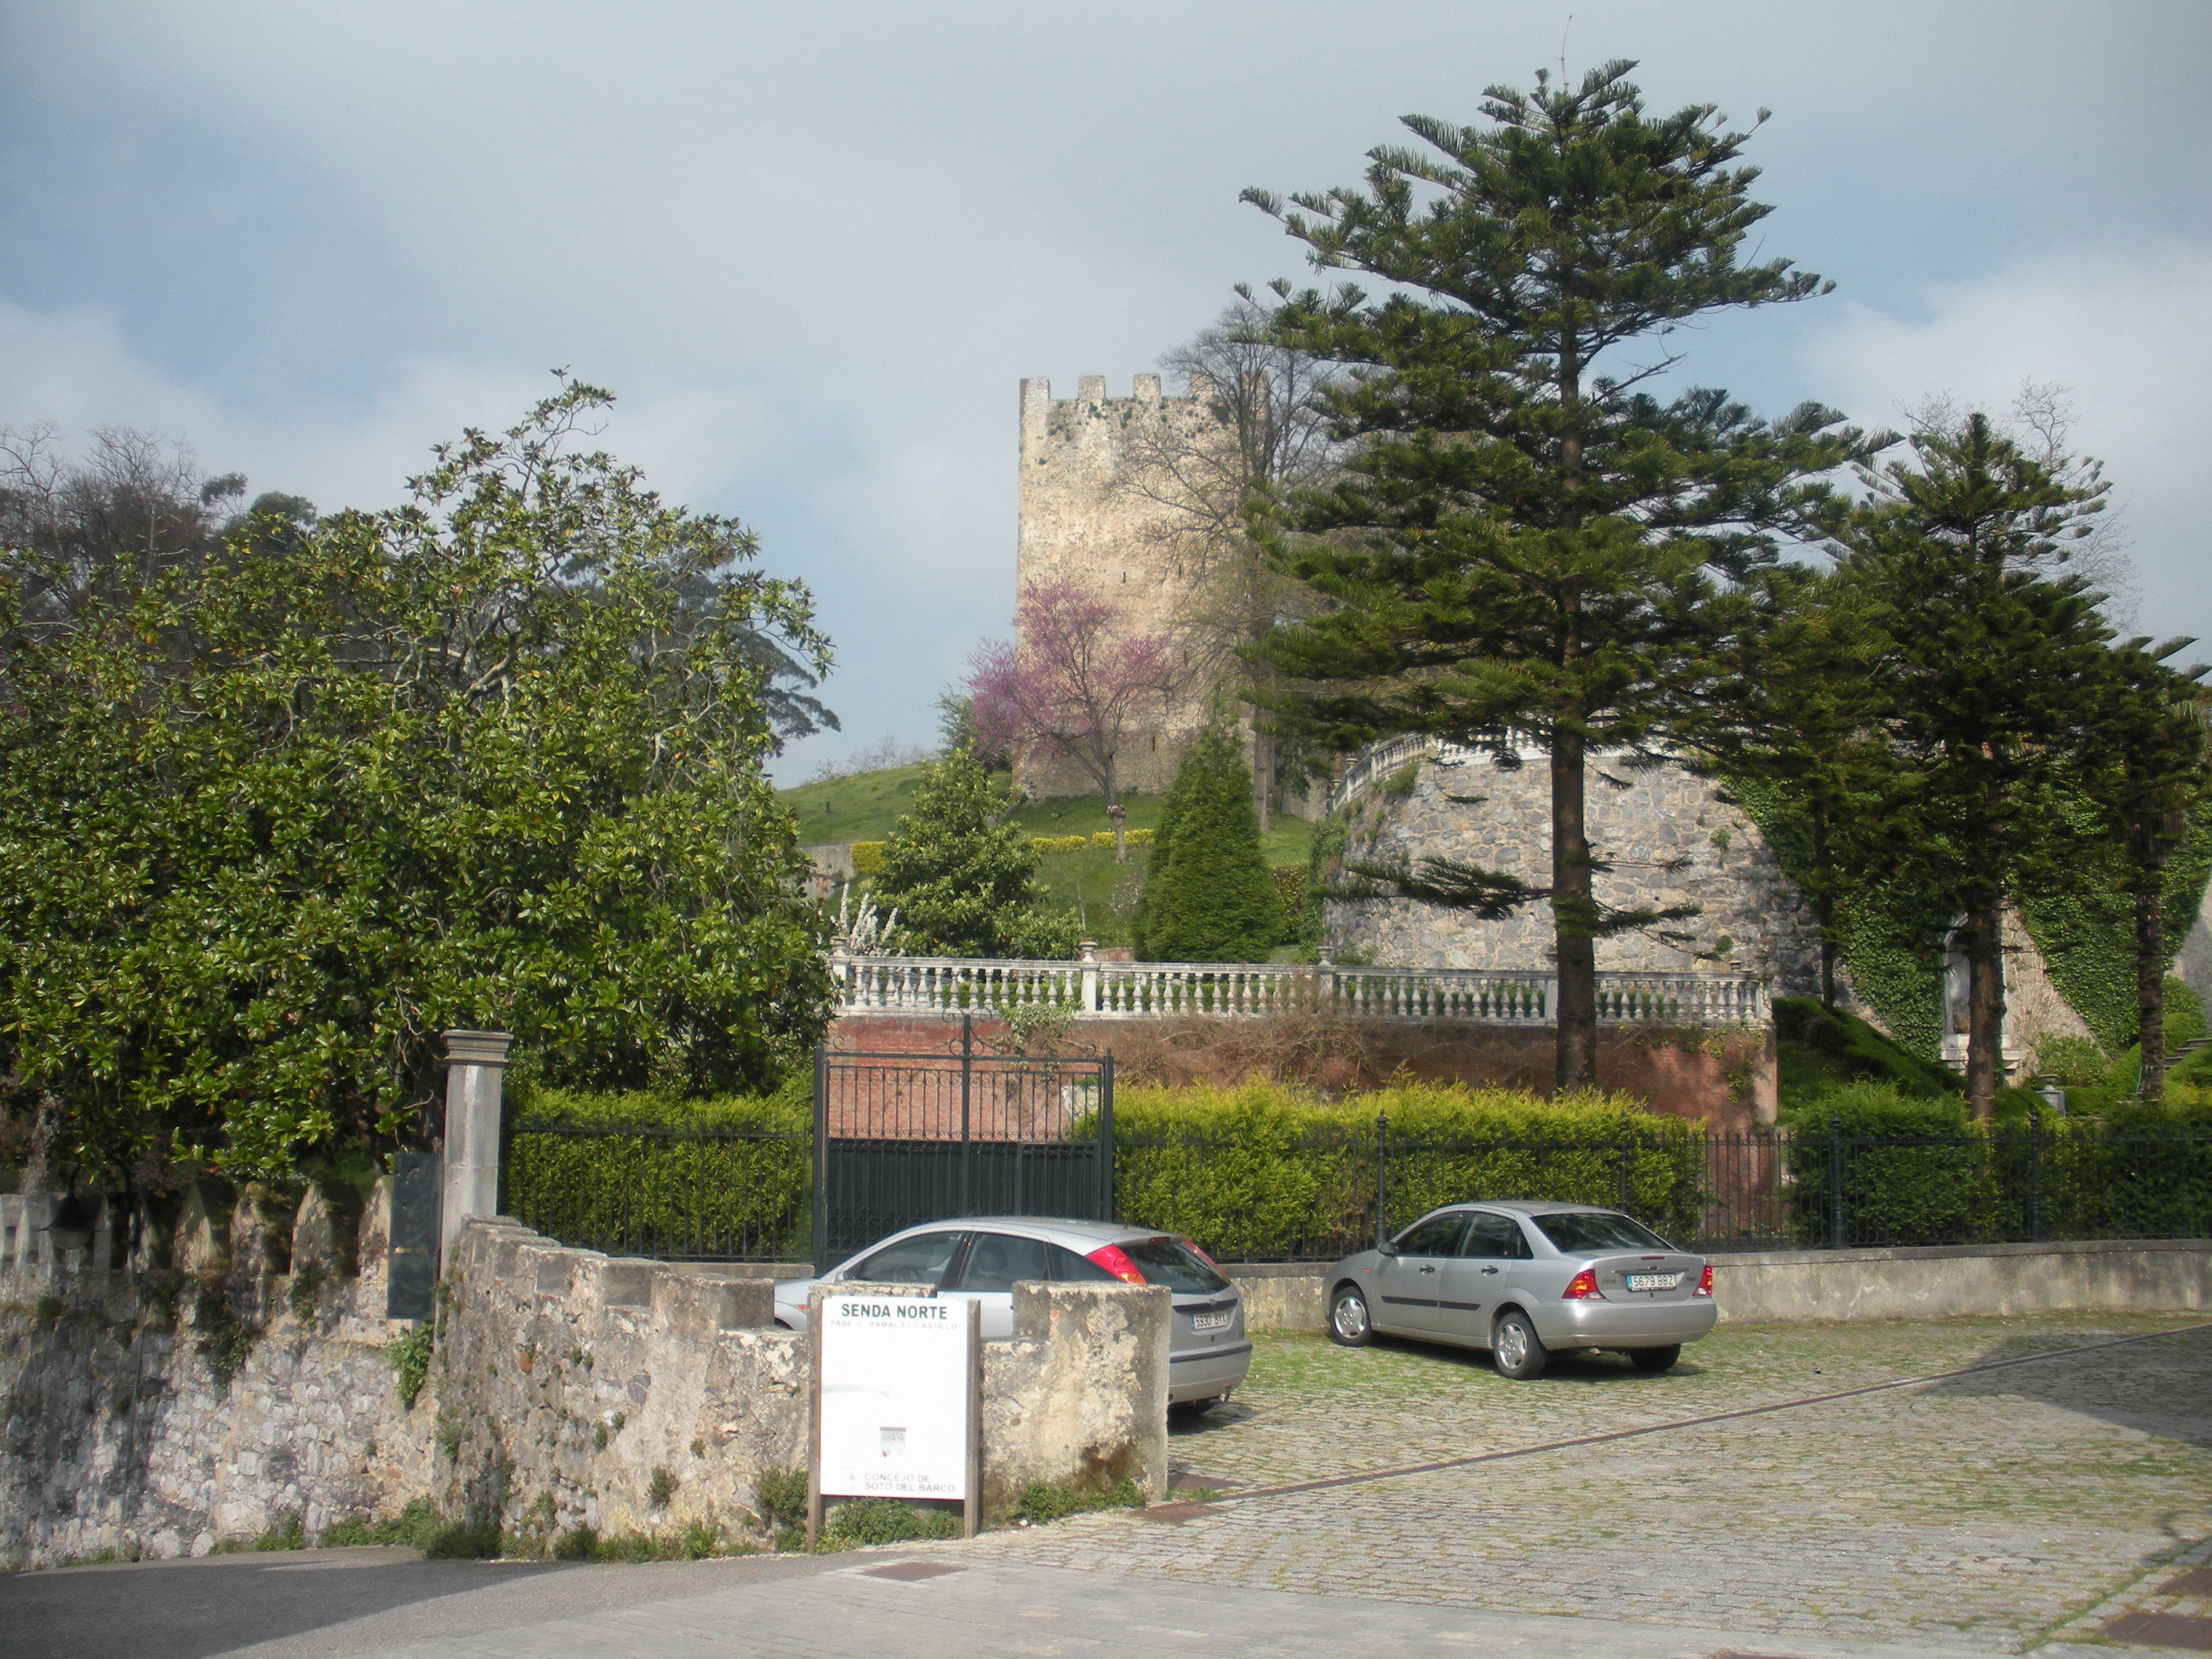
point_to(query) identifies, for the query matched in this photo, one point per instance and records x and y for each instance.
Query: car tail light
(1192, 1248)
(1705, 1282)
(1583, 1287)
(1114, 1261)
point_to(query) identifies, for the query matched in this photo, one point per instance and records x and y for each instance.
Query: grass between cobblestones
(1993, 1510)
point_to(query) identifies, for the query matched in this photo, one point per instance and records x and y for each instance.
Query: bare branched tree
(1270, 430)
(133, 503)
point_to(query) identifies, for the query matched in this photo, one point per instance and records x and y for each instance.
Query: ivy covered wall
(2085, 934)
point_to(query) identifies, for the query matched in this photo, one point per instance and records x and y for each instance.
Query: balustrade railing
(1132, 990)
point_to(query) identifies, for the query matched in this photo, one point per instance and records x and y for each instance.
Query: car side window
(921, 1260)
(995, 1260)
(1070, 1268)
(1494, 1238)
(1437, 1236)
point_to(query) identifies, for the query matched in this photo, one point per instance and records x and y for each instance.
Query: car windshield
(1171, 1262)
(1577, 1232)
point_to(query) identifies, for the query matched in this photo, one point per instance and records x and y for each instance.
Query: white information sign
(895, 1376)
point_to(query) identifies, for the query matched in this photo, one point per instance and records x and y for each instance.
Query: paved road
(760, 1609)
(2004, 1508)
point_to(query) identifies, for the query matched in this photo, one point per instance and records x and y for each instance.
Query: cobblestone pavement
(1993, 1511)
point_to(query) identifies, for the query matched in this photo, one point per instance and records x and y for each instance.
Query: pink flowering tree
(1072, 683)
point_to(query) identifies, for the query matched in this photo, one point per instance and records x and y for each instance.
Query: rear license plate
(1212, 1321)
(1653, 1281)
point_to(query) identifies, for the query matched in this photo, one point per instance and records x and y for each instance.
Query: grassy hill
(864, 806)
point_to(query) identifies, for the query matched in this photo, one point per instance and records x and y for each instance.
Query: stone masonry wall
(175, 1409)
(1084, 519)
(631, 1396)
(1670, 837)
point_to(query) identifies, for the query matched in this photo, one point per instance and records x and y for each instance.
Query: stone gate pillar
(476, 1067)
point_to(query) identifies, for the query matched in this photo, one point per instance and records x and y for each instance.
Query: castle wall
(1670, 837)
(1087, 517)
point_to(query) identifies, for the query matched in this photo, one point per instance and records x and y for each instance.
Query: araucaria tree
(1524, 538)
(963, 880)
(2148, 762)
(276, 811)
(1071, 685)
(1208, 896)
(1984, 687)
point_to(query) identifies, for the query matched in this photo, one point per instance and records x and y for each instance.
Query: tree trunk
(2150, 978)
(1115, 812)
(1985, 997)
(1573, 913)
(1824, 907)
(1263, 778)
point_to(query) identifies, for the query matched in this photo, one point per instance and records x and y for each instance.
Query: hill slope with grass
(864, 806)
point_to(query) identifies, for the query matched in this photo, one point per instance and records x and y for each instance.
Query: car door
(1474, 1279)
(1407, 1278)
(993, 1262)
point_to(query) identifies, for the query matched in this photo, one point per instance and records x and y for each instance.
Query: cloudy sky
(813, 248)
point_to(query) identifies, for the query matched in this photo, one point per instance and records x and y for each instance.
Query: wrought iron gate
(906, 1138)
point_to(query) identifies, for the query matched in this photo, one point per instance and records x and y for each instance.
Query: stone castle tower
(1090, 516)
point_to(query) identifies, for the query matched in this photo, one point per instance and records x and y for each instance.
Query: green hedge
(1916, 1170)
(644, 1173)
(1266, 1170)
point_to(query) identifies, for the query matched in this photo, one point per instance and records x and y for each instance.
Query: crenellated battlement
(1091, 392)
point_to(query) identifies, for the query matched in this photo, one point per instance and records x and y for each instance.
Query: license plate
(1212, 1321)
(1653, 1281)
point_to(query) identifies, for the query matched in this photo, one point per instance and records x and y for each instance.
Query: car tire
(1652, 1361)
(1191, 1410)
(1515, 1349)
(1350, 1325)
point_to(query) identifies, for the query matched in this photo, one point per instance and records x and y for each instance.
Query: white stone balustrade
(1136, 990)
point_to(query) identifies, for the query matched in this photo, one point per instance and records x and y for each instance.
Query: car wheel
(1349, 1325)
(1188, 1409)
(1515, 1349)
(1655, 1360)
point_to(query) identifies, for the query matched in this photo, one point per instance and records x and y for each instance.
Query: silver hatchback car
(1527, 1280)
(980, 1258)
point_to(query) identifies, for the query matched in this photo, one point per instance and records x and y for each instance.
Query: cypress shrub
(1208, 894)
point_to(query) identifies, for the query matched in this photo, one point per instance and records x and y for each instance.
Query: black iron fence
(1045, 1143)
(1315, 1198)
(680, 1194)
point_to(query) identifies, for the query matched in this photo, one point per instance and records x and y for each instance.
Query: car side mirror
(1386, 1248)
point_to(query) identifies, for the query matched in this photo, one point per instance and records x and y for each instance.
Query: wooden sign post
(897, 1402)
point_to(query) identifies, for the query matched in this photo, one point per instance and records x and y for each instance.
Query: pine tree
(964, 883)
(1985, 685)
(1524, 539)
(2149, 736)
(1208, 894)
(1791, 715)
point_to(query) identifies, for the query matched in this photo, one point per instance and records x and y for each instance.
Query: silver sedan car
(1526, 1280)
(980, 1258)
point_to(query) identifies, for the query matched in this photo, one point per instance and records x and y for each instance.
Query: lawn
(866, 807)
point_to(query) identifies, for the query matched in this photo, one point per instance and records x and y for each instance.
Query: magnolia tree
(1071, 684)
